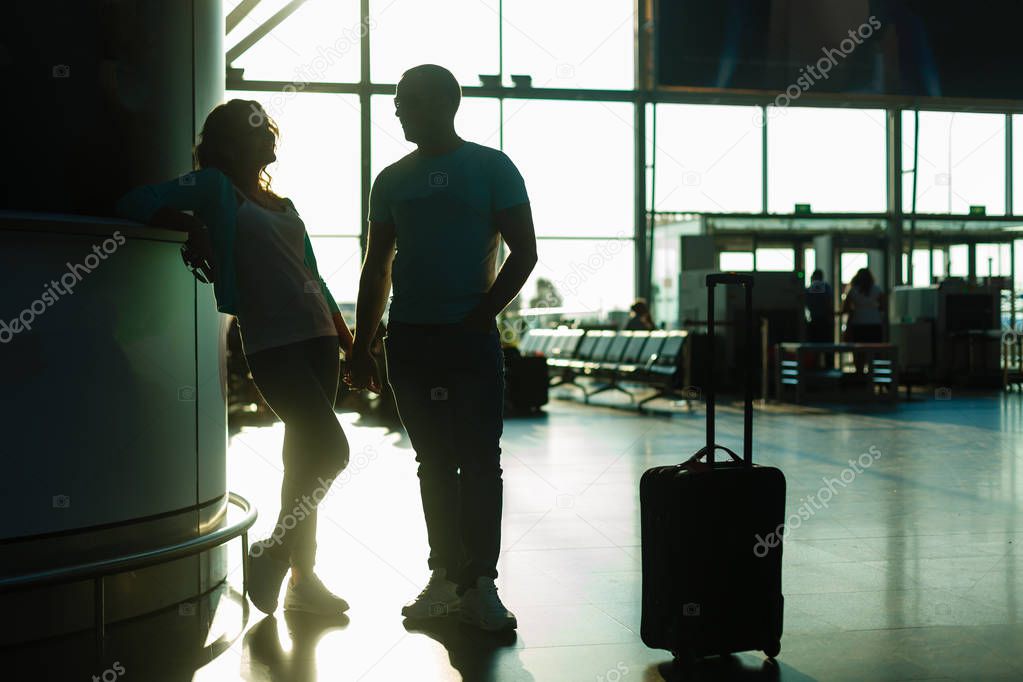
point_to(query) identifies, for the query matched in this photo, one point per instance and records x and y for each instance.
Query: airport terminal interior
(760, 389)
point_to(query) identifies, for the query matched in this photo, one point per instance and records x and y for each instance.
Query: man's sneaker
(310, 595)
(482, 608)
(266, 573)
(438, 599)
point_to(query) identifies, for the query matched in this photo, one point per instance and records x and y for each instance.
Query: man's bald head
(426, 100)
(435, 82)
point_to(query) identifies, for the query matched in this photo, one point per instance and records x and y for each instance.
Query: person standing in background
(820, 304)
(863, 304)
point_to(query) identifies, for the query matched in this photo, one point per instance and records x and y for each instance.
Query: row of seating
(611, 358)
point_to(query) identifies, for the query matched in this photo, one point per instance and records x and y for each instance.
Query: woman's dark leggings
(299, 383)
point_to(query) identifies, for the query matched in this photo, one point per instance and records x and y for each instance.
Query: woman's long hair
(225, 130)
(862, 280)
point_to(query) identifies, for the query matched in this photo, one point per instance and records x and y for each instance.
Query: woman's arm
(846, 303)
(205, 193)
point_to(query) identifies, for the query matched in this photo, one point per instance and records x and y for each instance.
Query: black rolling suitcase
(711, 577)
(526, 379)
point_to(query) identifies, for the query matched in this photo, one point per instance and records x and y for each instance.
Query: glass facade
(577, 144)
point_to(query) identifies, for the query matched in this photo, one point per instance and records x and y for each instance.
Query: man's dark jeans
(448, 384)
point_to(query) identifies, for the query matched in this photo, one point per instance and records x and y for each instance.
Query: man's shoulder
(487, 153)
(395, 169)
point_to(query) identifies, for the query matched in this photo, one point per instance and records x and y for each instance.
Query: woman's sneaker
(482, 608)
(438, 599)
(310, 595)
(266, 573)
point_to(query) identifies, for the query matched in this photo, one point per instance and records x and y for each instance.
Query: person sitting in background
(639, 317)
(820, 304)
(863, 304)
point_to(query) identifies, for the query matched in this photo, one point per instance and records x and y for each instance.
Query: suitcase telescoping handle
(746, 282)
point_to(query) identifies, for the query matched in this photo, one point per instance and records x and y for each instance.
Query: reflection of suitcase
(525, 381)
(709, 585)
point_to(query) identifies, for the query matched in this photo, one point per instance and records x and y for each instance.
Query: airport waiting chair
(567, 352)
(665, 370)
(606, 368)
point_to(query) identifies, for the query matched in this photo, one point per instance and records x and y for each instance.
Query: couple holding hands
(436, 218)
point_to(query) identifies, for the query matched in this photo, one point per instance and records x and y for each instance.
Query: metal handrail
(131, 562)
(98, 570)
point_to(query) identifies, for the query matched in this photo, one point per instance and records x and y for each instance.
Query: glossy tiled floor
(913, 571)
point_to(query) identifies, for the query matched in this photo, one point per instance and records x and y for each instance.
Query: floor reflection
(909, 573)
(293, 659)
(473, 653)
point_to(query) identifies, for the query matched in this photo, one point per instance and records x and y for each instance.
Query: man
(820, 302)
(444, 207)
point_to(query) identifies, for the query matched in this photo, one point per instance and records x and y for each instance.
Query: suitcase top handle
(746, 281)
(704, 451)
(729, 278)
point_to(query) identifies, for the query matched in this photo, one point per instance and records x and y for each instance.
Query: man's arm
(374, 284)
(515, 224)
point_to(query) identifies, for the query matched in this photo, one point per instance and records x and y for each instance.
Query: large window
(319, 42)
(317, 157)
(776, 259)
(595, 53)
(708, 158)
(461, 35)
(339, 261)
(993, 260)
(850, 263)
(578, 155)
(587, 277)
(577, 160)
(736, 261)
(832, 159)
(961, 162)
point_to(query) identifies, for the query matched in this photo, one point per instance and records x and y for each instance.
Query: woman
(639, 317)
(265, 273)
(863, 304)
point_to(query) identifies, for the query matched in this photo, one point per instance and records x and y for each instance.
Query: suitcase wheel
(772, 649)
